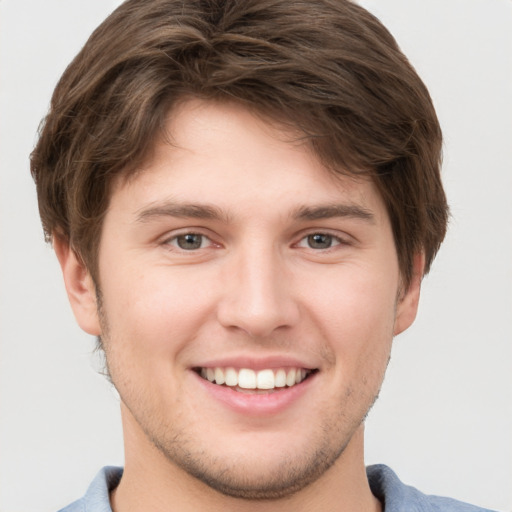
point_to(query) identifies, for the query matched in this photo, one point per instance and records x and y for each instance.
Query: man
(244, 198)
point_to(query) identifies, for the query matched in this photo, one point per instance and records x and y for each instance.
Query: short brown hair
(328, 67)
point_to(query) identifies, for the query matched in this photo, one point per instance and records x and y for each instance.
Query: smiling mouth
(248, 380)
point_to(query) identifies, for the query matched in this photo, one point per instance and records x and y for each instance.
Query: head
(298, 252)
(341, 82)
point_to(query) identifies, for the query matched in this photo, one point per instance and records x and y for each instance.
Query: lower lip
(257, 404)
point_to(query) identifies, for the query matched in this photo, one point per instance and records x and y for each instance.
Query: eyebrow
(210, 212)
(332, 211)
(186, 211)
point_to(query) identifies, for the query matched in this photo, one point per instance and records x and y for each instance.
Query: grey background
(444, 419)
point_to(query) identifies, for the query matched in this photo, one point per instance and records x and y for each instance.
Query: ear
(79, 286)
(407, 305)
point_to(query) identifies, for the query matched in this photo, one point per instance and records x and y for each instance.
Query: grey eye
(319, 241)
(190, 241)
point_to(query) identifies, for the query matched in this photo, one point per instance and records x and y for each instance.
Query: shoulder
(96, 499)
(395, 495)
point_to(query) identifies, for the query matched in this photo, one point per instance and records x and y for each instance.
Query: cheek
(357, 313)
(155, 313)
(148, 325)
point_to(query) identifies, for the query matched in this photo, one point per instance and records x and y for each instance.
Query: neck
(151, 482)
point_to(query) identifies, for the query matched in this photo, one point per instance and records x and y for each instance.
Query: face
(249, 301)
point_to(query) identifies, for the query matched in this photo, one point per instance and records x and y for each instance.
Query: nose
(257, 297)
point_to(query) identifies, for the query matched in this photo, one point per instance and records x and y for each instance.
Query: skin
(256, 290)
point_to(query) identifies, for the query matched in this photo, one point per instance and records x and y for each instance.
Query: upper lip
(256, 363)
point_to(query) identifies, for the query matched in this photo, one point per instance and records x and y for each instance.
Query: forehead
(225, 154)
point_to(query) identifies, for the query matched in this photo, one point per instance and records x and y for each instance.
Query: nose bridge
(258, 298)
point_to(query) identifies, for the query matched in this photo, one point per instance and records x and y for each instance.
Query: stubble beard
(233, 476)
(284, 480)
(291, 475)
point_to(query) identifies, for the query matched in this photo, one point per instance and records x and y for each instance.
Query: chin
(247, 480)
(253, 472)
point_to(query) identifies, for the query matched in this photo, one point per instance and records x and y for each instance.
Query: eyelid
(174, 241)
(172, 236)
(341, 238)
(165, 240)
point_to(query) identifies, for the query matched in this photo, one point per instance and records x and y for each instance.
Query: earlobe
(407, 305)
(79, 286)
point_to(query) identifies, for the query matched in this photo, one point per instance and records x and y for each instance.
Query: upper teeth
(250, 379)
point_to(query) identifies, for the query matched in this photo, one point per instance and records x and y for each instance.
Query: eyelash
(332, 240)
(174, 241)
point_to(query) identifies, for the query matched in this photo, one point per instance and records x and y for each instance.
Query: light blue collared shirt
(385, 485)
